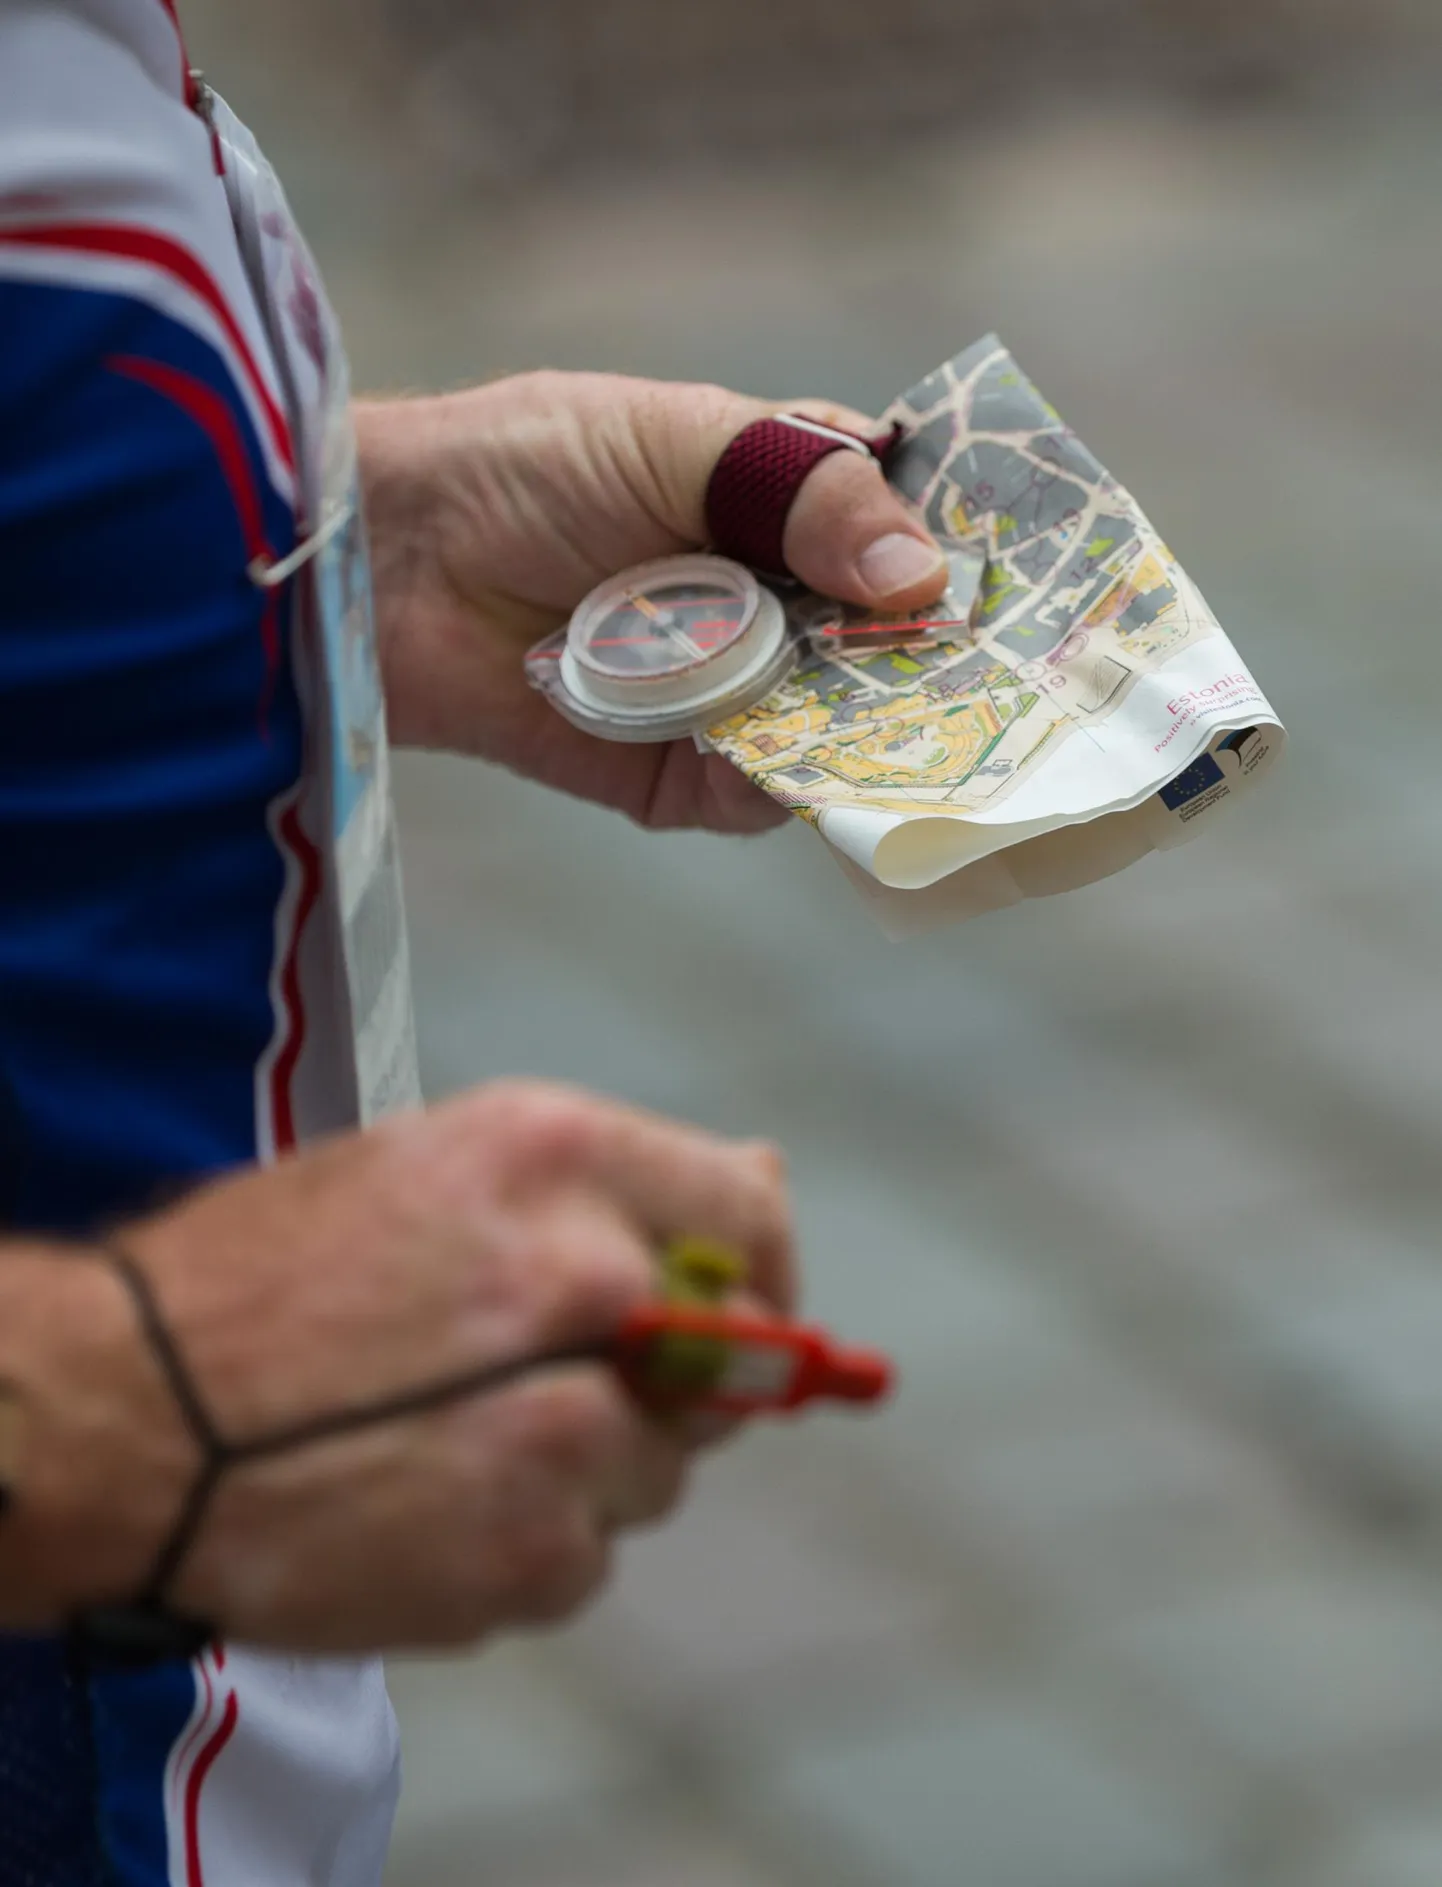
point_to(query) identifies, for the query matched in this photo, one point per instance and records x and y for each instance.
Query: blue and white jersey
(172, 976)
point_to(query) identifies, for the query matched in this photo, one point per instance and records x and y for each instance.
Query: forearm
(91, 1454)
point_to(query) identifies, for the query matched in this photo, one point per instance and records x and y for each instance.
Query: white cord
(269, 575)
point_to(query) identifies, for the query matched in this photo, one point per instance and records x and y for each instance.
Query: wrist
(400, 526)
(95, 1459)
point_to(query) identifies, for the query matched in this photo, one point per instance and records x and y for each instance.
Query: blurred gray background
(1140, 1585)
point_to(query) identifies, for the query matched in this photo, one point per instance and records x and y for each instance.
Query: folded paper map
(1083, 708)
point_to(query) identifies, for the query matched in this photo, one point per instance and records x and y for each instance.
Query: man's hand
(493, 512)
(517, 1219)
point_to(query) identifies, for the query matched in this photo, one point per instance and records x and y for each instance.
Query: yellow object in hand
(703, 1272)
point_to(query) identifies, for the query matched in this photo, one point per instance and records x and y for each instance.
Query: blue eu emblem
(1186, 786)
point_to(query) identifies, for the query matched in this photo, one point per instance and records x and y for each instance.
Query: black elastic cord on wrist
(145, 1628)
(216, 1453)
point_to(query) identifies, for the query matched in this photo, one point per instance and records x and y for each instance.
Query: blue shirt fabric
(149, 721)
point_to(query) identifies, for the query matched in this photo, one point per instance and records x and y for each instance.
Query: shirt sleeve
(148, 719)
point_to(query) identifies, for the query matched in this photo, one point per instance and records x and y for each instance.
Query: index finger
(674, 1180)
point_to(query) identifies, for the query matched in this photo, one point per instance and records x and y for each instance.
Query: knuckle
(548, 385)
(760, 1195)
(569, 1426)
(714, 409)
(860, 487)
(603, 1273)
(844, 490)
(767, 1185)
(677, 426)
(770, 1162)
(582, 1271)
(551, 1130)
(555, 1567)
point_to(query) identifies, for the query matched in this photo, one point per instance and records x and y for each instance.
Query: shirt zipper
(201, 101)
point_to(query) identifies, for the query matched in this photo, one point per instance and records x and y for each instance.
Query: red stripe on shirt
(197, 1729)
(225, 1729)
(133, 244)
(209, 410)
(282, 1073)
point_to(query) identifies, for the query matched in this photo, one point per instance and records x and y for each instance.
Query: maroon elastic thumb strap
(757, 477)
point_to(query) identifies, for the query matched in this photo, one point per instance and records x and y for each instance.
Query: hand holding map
(1080, 709)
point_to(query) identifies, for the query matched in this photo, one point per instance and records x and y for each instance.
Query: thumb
(851, 537)
(848, 535)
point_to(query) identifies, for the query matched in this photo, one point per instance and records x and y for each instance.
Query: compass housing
(666, 649)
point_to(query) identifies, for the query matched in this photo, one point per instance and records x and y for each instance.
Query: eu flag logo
(1186, 786)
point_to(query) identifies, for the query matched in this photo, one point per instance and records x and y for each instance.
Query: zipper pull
(201, 100)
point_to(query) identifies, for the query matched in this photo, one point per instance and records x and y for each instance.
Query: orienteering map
(1080, 599)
